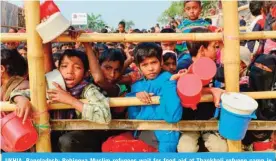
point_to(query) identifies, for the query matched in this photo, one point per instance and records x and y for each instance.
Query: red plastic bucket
(48, 8)
(189, 89)
(205, 68)
(15, 135)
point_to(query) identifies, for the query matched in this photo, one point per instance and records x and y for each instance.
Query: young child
(184, 60)
(22, 50)
(192, 9)
(189, 140)
(169, 59)
(148, 58)
(13, 69)
(73, 66)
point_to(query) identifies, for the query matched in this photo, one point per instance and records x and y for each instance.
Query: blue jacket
(169, 109)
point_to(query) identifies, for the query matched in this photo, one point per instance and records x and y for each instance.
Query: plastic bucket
(238, 103)
(205, 68)
(233, 126)
(15, 135)
(189, 89)
(48, 8)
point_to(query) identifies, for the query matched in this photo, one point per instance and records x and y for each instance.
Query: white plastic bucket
(238, 103)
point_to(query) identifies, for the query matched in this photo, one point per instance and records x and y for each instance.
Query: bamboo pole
(156, 37)
(11, 37)
(133, 101)
(198, 125)
(36, 73)
(231, 55)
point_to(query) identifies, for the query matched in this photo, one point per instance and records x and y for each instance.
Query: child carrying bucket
(190, 88)
(13, 70)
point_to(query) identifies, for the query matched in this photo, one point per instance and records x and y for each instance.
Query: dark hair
(122, 23)
(167, 30)
(22, 46)
(64, 44)
(136, 31)
(193, 46)
(75, 53)
(14, 29)
(104, 31)
(169, 55)
(146, 50)
(57, 56)
(14, 63)
(186, 1)
(209, 20)
(255, 7)
(112, 55)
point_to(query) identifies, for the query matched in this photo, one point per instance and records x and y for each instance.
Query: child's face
(72, 71)
(23, 52)
(168, 46)
(169, 65)
(111, 70)
(211, 50)
(193, 10)
(54, 50)
(121, 28)
(150, 67)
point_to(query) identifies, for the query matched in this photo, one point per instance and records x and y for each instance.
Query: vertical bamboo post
(36, 75)
(231, 56)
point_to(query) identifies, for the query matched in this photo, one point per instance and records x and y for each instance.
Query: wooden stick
(245, 7)
(199, 125)
(93, 37)
(37, 75)
(231, 55)
(11, 37)
(17, 27)
(133, 101)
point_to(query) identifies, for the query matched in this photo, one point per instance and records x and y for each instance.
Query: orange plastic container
(16, 136)
(189, 89)
(205, 68)
(48, 8)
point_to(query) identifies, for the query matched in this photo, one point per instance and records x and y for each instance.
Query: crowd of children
(96, 71)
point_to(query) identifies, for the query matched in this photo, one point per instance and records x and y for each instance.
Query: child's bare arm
(97, 74)
(49, 62)
(216, 92)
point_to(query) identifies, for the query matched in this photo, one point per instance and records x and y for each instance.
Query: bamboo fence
(147, 37)
(230, 36)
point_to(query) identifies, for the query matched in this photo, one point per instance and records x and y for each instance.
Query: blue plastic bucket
(233, 126)
(236, 112)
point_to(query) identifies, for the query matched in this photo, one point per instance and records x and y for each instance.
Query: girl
(169, 59)
(73, 66)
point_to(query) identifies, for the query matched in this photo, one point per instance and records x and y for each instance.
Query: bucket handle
(217, 112)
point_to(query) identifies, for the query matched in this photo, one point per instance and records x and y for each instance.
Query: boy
(189, 140)
(148, 58)
(192, 9)
(121, 27)
(184, 60)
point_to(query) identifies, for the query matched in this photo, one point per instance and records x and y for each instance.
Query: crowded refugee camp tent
(203, 80)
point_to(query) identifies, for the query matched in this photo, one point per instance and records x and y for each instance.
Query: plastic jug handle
(253, 115)
(217, 111)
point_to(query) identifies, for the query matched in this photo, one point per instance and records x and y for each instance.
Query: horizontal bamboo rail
(198, 125)
(133, 101)
(148, 37)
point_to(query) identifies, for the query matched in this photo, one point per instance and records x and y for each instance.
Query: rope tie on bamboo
(43, 127)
